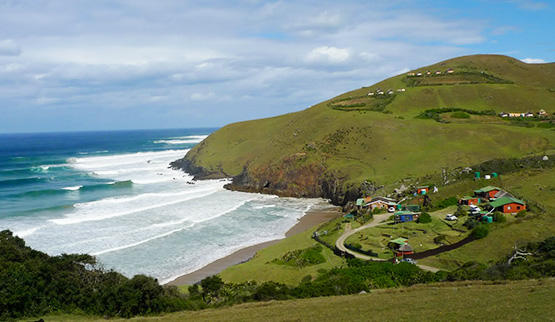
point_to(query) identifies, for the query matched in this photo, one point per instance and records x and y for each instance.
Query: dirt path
(378, 220)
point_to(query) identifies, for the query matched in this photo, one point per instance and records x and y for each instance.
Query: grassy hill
(331, 148)
(461, 301)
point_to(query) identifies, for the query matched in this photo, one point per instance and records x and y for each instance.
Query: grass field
(529, 300)
(420, 236)
(260, 267)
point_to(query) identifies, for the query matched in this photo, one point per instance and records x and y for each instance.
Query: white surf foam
(72, 188)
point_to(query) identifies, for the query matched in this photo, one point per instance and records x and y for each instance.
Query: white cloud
(326, 54)
(533, 60)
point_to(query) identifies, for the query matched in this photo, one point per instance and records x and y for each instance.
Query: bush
(521, 214)
(424, 218)
(499, 217)
(447, 202)
(302, 257)
(480, 231)
(470, 223)
(460, 115)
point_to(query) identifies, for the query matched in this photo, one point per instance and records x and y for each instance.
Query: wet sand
(320, 214)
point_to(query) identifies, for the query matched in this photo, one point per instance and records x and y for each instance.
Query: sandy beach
(315, 216)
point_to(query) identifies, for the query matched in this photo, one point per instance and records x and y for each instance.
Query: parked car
(391, 209)
(409, 260)
(451, 217)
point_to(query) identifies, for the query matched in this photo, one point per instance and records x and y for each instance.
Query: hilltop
(363, 141)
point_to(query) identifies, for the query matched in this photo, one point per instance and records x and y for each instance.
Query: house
(411, 74)
(487, 192)
(382, 202)
(508, 205)
(542, 112)
(400, 246)
(450, 71)
(422, 190)
(404, 250)
(379, 92)
(529, 114)
(428, 72)
(371, 94)
(418, 74)
(438, 72)
(405, 216)
(503, 114)
(400, 90)
(515, 114)
(467, 200)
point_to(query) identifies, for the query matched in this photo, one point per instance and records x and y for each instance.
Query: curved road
(378, 220)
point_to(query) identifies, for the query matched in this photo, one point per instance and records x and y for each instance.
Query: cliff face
(356, 143)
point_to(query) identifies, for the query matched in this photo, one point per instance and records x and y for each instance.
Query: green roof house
(487, 192)
(508, 205)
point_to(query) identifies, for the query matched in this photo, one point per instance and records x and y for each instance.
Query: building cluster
(430, 73)
(402, 213)
(540, 113)
(386, 92)
(492, 199)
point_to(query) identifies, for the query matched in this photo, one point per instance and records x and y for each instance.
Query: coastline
(314, 216)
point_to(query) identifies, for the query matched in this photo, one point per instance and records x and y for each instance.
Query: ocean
(112, 195)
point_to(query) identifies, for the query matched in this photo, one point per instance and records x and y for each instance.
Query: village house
(508, 205)
(382, 203)
(422, 190)
(438, 72)
(542, 112)
(529, 114)
(503, 114)
(371, 94)
(487, 192)
(389, 92)
(418, 74)
(405, 216)
(411, 74)
(467, 200)
(450, 71)
(400, 90)
(428, 72)
(515, 114)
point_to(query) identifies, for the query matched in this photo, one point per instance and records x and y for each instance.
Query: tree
(480, 231)
(424, 218)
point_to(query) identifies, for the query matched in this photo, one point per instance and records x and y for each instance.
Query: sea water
(113, 195)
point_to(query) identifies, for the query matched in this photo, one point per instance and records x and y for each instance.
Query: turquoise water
(111, 194)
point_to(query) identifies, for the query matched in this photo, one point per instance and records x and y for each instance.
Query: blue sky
(130, 64)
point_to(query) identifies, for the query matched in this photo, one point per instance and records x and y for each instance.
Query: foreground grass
(460, 301)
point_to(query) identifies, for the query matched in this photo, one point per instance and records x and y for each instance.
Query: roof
(384, 199)
(360, 201)
(503, 193)
(404, 212)
(468, 198)
(399, 241)
(487, 189)
(421, 187)
(405, 248)
(504, 201)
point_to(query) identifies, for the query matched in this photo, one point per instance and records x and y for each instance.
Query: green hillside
(331, 148)
(460, 301)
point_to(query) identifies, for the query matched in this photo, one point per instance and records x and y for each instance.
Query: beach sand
(315, 216)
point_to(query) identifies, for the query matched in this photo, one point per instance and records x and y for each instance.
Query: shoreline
(312, 218)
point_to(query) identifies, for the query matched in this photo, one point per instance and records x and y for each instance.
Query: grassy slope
(259, 268)
(538, 186)
(465, 301)
(359, 145)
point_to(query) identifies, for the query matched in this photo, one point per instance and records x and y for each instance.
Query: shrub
(460, 115)
(424, 218)
(447, 202)
(480, 231)
(302, 257)
(499, 217)
(470, 223)
(521, 214)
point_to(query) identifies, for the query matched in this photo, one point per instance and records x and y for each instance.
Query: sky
(136, 64)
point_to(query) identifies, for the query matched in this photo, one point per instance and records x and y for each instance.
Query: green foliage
(435, 113)
(480, 231)
(451, 201)
(460, 115)
(33, 283)
(302, 257)
(424, 218)
(470, 223)
(499, 217)
(521, 214)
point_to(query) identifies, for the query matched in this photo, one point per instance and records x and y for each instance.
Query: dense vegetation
(33, 283)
